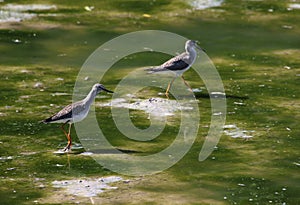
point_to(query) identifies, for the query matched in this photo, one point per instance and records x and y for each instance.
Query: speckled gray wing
(176, 63)
(66, 112)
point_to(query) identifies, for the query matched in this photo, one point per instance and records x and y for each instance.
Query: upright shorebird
(179, 64)
(75, 112)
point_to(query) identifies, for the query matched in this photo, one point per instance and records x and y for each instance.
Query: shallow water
(204, 4)
(22, 12)
(255, 47)
(86, 187)
(157, 107)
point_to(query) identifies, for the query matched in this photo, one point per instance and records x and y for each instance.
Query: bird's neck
(90, 97)
(192, 52)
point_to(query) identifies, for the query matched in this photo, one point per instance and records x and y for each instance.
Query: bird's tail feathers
(42, 122)
(154, 69)
(45, 121)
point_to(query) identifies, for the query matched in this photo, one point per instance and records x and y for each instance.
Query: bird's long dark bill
(107, 90)
(201, 49)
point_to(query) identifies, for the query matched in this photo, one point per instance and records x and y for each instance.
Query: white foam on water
(87, 187)
(87, 153)
(59, 94)
(204, 4)
(197, 90)
(294, 6)
(154, 106)
(217, 93)
(19, 12)
(6, 158)
(13, 16)
(28, 7)
(235, 132)
(59, 152)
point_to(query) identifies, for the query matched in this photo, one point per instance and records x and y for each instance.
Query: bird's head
(193, 44)
(99, 87)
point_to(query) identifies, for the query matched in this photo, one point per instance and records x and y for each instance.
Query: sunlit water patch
(294, 6)
(28, 7)
(154, 106)
(235, 132)
(251, 190)
(204, 4)
(86, 187)
(14, 16)
(2, 159)
(21, 12)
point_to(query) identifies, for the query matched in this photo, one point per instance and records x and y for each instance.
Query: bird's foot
(167, 95)
(67, 149)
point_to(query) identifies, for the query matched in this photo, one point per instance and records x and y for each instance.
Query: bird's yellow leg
(62, 127)
(68, 147)
(167, 91)
(168, 88)
(186, 83)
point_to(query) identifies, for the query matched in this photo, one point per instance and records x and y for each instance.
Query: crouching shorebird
(75, 112)
(179, 64)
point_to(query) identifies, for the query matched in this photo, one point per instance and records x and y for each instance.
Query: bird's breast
(79, 117)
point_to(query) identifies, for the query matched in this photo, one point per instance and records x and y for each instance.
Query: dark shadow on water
(228, 96)
(113, 151)
(95, 151)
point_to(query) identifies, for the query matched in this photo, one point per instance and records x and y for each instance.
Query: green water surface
(255, 46)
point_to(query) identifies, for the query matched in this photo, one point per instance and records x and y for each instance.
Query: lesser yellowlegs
(75, 112)
(179, 64)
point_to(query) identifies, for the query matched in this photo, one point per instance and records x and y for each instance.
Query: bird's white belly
(79, 116)
(180, 72)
